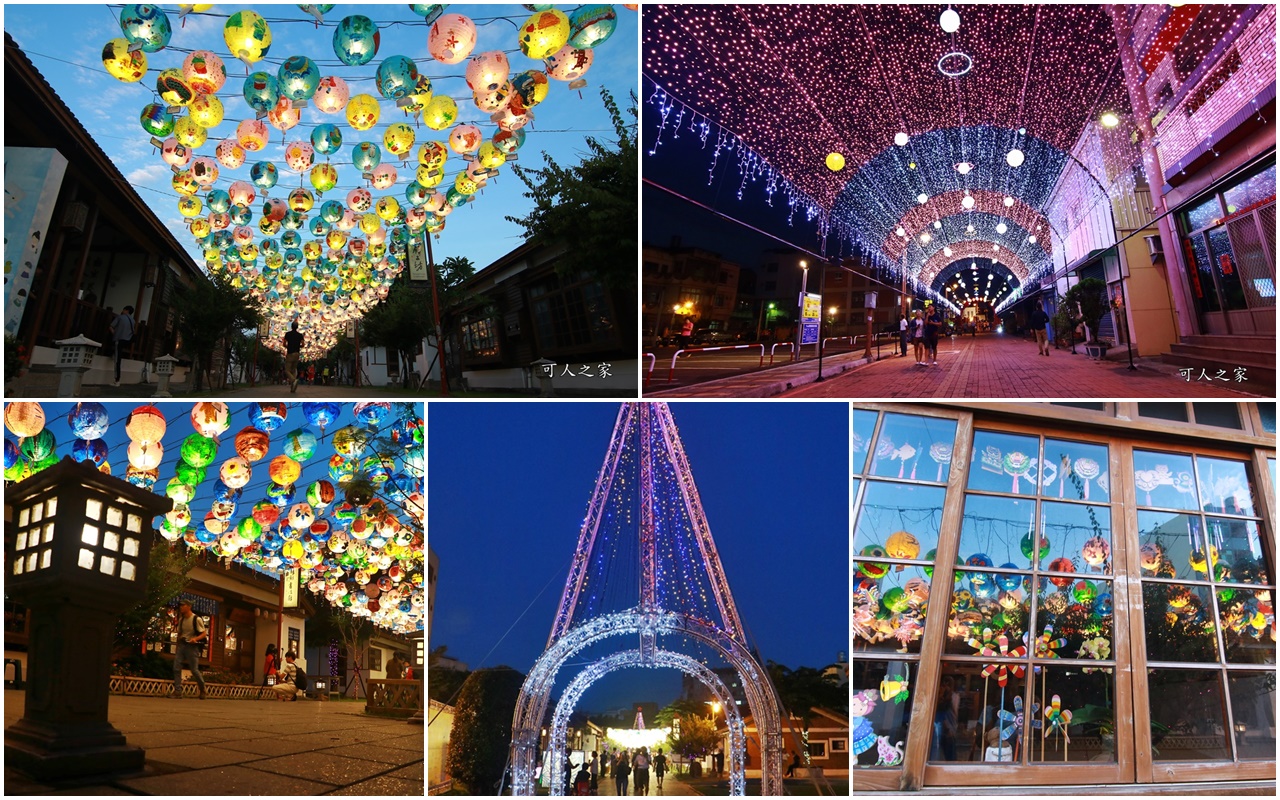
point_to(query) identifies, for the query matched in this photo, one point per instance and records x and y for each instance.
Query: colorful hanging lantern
(591, 26)
(284, 470)
(204, 171)
(298, 79)
(145, 455)
(235, 472)
(489, 156)
(362, 112)
(509, 142)
(1096, 551)
(252, 134)
(261, 92)
(324, 177)
(264, 175)
(530, 88)
(298, 155)
(331, 95)
(451, 39)
(388, 208)
(147, 24)
(204, 72)
(121, 64)
(397, 77)
(544, 33)
(156, 120)
(206, 111)
(145, 424)
(187, 131)
(569, 63)
(174, 153)
(356, 40)
(902, 545)
(384, 176)
(284, 116)
(495, 101)
(439, 113)
(465, 139)
(415, 194)
(300, 201)
(230, 154)
(488, 71)
(247, 36)
(91, 450)
(241, 193)
(398, 138)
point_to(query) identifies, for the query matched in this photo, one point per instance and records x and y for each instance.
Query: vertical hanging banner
(418, 261)
(32, 178)
(291, 589)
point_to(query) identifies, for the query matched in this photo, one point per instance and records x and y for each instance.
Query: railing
(444, 787)
(791, 348)
(162, 687)
(671, 372)
(653, 359)
(393, 698)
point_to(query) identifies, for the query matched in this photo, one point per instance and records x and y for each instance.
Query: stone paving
(987, 366)
(245, 747)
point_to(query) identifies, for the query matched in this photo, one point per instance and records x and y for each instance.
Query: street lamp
(804, 289)
(763, 319)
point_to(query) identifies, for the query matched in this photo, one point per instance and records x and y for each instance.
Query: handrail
(772, 350)
(653, 359)
(671, 372)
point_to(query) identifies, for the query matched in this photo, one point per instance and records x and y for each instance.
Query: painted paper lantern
(188, 132)
(179, 492)
(488, 71)
(509, 120)
(1061, 565)
(362, 112)
(324, 177)
(177, 517)
(247, 35)
(204, 71)
(284, 116)
(261, 91)
(230, 154)
(300, 201)
(1151, 556)
(142, 478)
(174, 153)
(433, 154)
(298, 155)
(387, 208)
(569, 63)
(415, 194)
(301, 516)
(91, 450)
(274, 209)
(145, 455)
(326, 139)
(252, 134)
(320, 494)
(145, 424)
(204, 171)
(156, 120)
(489, 156)
(979, 560)
(206, 111)
(331, 211)
(360, 199)
(251, 443)
(464, 185)
(1096, 551)
(280, 494)
(241, 193)
(509, 142)
(86, 420)
(544, 33)
(451, 39)
(1007, 581)
(265, 513)
(199, 450)
(1084, 592)
(147, 24)
(200, 228)
(172, 87)
(235, 472)
(284, 470)
(39, 447)
(440, 113)
(875, 571)
(397, 77)
(420, 96)
(590, 26)
(264, 175)
(384, 176)
(495, 101)
(321, 414)
(530, 88)
(121, 64)
(365, 156)
(356, 40)
(398, 139)
(268, 416)
(331, 95)
(249, 530)
(465, 139)
(1103, 605)
(298, 78)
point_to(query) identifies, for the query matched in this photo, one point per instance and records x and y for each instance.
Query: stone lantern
(164, 372)
(77, 548)
(544, 371)
(75, 356)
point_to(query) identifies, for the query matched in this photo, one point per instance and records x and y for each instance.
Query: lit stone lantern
(164, 372)
(75, 356)
(77, 548)
(544, 371)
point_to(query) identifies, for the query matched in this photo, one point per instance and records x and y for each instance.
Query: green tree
(166, 578)
(805, 688)
(697, 737)
(481, 735)
(335, 623)
(443, 684)
(208, 311)
(1090, 297)
(678, 710)
(590, 209)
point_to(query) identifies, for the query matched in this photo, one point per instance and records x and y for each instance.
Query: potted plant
(1089, 298)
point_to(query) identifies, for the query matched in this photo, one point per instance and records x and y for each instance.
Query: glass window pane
(997, 531)
(1220, 415)
(1003, 462)
(914, 448)
(93, 508)
(864, 428)
(889, 508)
(1177, 412)
(1247, 618)
(1239, 549)
(1074, 715)
(889, 604)
(1254, 189)
(1179, 622)
(1224, 487)
(984, 607)
(1204, 214)
(1077, 536)
(1074, 619)
(1253, 706)
(1164, 480)
(1267, 413)
(967, 725)
(881, 707)
(1188, 715)
(1080, 471)
(1172, 545)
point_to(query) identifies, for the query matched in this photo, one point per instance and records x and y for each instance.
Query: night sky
(509, 484)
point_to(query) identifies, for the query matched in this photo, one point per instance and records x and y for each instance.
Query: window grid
(33, 546)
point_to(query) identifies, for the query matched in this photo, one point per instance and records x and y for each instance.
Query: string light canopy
(923, 102)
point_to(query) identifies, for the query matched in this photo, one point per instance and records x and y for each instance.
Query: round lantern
(331, 95)
(145, 424)
(415, 194)
(39, 447)
(249, 529)
(188, 132)
(251, 444)
(326, 139)
(590, 26)
(321, 414)
(398, 138)
(204, 71)
(509, 141)
(365, 156)
(261, 92)
(142, 478)
(298, 78)
(488, 71)
(301, 516)
(147, 24)
(1028, 546)
(440, 112)
(145, 455)
(215, 525)
(284, 116)
(362, 112)
(265, 513)
(179, 492)
(264, 175)
(235, 472)
(489, 156)
(420, 96)
(979, 560)
(156, 120)
(464, 185)
(320, 494)
(86, 420)
(397, 77)
(360, 199)
(902, 545)
(451, 39)
(121, 64)
(174, 153)
(298, 155)
(94, 450)
(384, 176)
(324, 177)
(300, 201)
(204, 171)
(241, 193)
(247, 36)
(230, 154)
(172, 87)
(529, 89)
(465, 139)
(252, 134)
(387, 208)
(284, 470)
(1151, 556)
(1096, 551)
(1061, 565)
(875, 571)
(508, 120)
(569, 63)
(356, 40)
(274, 209)
(544, 33)
(331, 211)
(198, 450)
(1084, 592)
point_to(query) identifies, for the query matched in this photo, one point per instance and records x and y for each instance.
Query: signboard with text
(418, 261)
(291, 589)
(810, 313)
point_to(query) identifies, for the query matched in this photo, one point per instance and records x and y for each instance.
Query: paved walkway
(988, 366)
(245, 747)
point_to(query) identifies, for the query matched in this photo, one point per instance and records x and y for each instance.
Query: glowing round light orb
(949, 21)
(1015, 157)
(261, 92)
(298, 78)
(440, 112)
(264, 175)
(174, 153)
(148, 24)
(331, 95)
(189, 132)
(284, 470)
(235, 472)
(967, 202)
(544, 33)
(901, 139)
(922, 198)
(145, 455)
(122, 65)
(204, 71)
(1008, 202)
(1001, 227)
(323, 177)
(356, 40)
(397, 77)
(384, 176)
(252, 134)
(362, 112)
(145, 424)
(488, 71)
(569, 63)
(1109, 119)
(451, 39)
(247, 35)
(590, 26)
(156, 120)
(529, 88)
(398, 138)
(835, 162)
(230, 154)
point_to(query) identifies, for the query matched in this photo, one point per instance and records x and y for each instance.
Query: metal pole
(435, 308)
(821, 279)
(804, 288)
(359, 366)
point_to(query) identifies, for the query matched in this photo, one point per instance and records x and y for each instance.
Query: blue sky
(66, 46)
(510, 482)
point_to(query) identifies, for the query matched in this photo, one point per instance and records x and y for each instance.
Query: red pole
(435, 309)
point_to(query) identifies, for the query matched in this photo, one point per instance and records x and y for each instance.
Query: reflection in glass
(914, 448)
(1003, 462)
(1247, 618)
(1078, 537)
(996, 531)
(1081, 471)
(1179, 622)
(1253, 707)
(890, 508)
(889, 603)
(1171, 545)
(1224, 487)
(984, 607)
(1239, 550)
(967, 721)
(864, 428)
(881, 708)
(1074, 619)
(1188, 715)
(1074, 715)
(1164, 480)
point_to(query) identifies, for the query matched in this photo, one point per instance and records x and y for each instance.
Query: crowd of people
(629, 770)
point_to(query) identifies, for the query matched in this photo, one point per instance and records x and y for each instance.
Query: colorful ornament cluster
(299, 255)
(356, 536)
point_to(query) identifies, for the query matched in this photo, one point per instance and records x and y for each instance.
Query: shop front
(1055, 596)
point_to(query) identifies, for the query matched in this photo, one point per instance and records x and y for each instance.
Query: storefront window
(1225, 267)
(881, 715)
(1202, 277)
(1255, 189)
(1204, 214)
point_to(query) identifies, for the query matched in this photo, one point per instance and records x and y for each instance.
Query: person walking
(1039, 323)
(293, 341)
(640, 765)
(621, 771)
(659, 767)
(917, 336)
(186, 653)
(122, 330)
(932, 327)
(902, 333)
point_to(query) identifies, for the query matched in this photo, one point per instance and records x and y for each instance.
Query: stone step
(1243, 354)
(1261, 377)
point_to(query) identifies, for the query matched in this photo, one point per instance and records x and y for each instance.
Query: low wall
(160, 687)
(394, 698)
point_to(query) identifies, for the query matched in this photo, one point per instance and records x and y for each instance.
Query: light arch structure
(670, 539)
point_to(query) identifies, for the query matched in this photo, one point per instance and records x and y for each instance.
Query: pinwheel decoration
(1046, 646)
(1001, 671)
(1058, 719)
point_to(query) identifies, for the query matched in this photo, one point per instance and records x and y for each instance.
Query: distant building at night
(680, 282)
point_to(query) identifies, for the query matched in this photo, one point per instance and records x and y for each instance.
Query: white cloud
(148, 174)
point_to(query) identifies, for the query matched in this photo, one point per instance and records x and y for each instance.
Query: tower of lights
(646, 578)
